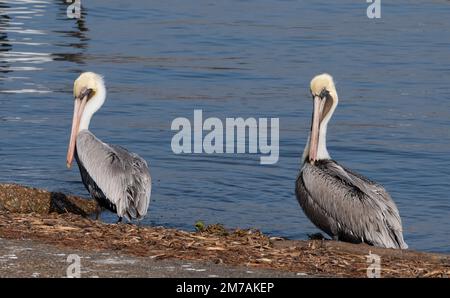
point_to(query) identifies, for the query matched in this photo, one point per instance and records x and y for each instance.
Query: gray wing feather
(347, 205)
(122, 176)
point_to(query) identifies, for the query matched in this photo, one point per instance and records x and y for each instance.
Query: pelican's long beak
(315, 128)
(80, 104)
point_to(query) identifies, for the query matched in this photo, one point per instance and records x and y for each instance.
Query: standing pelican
(117, 179)
(345, 205)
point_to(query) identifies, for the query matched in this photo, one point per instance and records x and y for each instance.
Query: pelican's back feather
(349, 206)
(121, 176)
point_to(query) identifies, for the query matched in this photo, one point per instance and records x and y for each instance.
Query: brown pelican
(345, 205)
(116, 178)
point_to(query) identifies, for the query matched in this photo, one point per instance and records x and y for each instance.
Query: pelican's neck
(322, 152)
(92, 106)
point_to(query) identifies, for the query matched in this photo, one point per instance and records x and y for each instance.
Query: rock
(21, 199)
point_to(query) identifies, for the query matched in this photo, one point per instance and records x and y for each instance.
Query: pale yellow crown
(320, 82)
(87, 80)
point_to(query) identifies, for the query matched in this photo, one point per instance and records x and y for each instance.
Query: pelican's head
(87, 84)
(322, 83)
(325, 100)
(89, 92)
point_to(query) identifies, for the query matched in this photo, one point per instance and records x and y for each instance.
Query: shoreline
(59, 221)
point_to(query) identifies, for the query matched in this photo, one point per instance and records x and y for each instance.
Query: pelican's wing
(356, 207)
(122, 176)
(138, 182)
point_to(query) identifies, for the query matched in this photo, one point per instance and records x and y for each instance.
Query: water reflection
(79, 32)
(33, 34)
(4, 42)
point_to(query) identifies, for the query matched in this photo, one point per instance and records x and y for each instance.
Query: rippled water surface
(163, 59)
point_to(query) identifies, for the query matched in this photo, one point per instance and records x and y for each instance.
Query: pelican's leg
(335, 237)
(316, 236)
(120, 220)
(98, 210)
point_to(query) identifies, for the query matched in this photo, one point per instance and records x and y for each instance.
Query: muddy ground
(44, 227)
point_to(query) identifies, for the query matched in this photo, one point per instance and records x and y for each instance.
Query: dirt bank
(64, 227)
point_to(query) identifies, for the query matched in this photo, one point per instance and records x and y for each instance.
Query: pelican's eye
(324, 93)
(86, 92)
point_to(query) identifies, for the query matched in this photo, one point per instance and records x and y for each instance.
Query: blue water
(254, 58)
